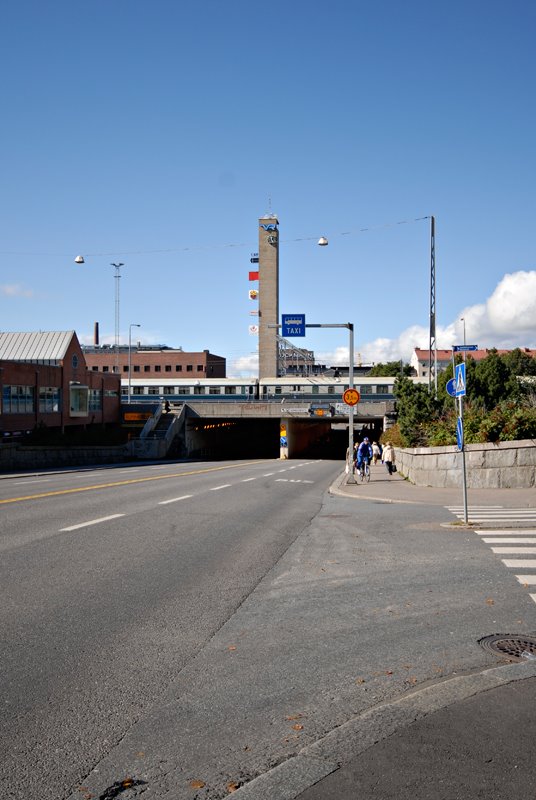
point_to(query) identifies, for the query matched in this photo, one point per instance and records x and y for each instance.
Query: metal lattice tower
(432, 350)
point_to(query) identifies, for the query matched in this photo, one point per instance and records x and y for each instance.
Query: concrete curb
(320, 759)
(336, 490)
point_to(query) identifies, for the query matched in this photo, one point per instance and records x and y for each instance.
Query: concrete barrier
(504, 465)
(15, 457)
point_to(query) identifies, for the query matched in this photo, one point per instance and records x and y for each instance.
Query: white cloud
(507, 319)
(244, 367)
(15, 290)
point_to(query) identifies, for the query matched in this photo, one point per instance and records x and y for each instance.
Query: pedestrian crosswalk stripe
(516, 563)
(508, 532)
(509, 540)
(529, 580)
(514, 550)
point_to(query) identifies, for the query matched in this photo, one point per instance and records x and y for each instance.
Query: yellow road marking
(124, 483)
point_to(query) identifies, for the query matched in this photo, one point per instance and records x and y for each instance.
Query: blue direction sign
(459, 377)
(293, 324)
(459, 433)
(464, 348)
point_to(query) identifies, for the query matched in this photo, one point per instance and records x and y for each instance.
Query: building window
(168, 368)
(95, 399)
(158, 368)
(200, 368)
(178, 367)
(146, 368)
(106, 369)
(136, 368)
(18, 400)
(125, 367)
(74, 361)
(189, 368)
(49, 399)
(95, 369)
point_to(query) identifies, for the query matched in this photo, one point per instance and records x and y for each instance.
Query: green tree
(416, 406)
(390, 369)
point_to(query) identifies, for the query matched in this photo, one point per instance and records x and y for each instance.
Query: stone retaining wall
(505, 465)
(20, 457)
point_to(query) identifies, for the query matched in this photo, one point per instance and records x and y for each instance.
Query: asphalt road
(234, 614)
(111, 582)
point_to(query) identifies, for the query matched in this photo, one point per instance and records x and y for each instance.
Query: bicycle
(364, 471)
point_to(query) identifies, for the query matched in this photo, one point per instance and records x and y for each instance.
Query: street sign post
(293, 325)
(464, 348)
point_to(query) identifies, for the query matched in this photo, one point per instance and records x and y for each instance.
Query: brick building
(154, 361)
(44, 381)
(420, 360)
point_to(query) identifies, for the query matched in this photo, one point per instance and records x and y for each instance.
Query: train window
(277, 390)
(184, 390)
(231, 390)
(169, 390)
(214, 390)
(315, 389)
(152, 390)
(264, 390)
(366, 390)
(382, 388)
(137, 390)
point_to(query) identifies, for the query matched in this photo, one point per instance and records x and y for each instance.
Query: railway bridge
(259, 429)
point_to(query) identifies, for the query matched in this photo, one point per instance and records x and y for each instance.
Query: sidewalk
(467, 737)
(396, 489)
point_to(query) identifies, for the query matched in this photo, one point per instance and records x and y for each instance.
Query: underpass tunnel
(220, 438)
(231, 439)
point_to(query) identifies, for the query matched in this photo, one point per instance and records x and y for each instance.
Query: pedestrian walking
(376, 452)
(389, 457)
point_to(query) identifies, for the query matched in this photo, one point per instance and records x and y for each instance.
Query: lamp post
(132, 325)
(117, 278)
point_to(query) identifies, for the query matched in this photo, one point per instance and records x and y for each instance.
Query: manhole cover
(515, 648)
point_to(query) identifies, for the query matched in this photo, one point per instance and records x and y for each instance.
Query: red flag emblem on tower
(254, 276)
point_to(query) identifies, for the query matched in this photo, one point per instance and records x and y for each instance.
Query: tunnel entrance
(227, 439)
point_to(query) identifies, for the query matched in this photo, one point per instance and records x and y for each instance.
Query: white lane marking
(281, 470)
(158, 466)
(245, 480)
(38, 480)
(268, 474)
(223, 486)
(514, 550)
(533, 597)
(132, 469)
(475, 508)
(512, 540)
(530, 580)
(175, 499)
(91, 522)
(517, 563)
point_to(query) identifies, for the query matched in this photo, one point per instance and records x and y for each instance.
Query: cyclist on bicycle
(364, 454)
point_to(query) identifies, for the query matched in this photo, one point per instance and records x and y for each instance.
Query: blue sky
(156, 134)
